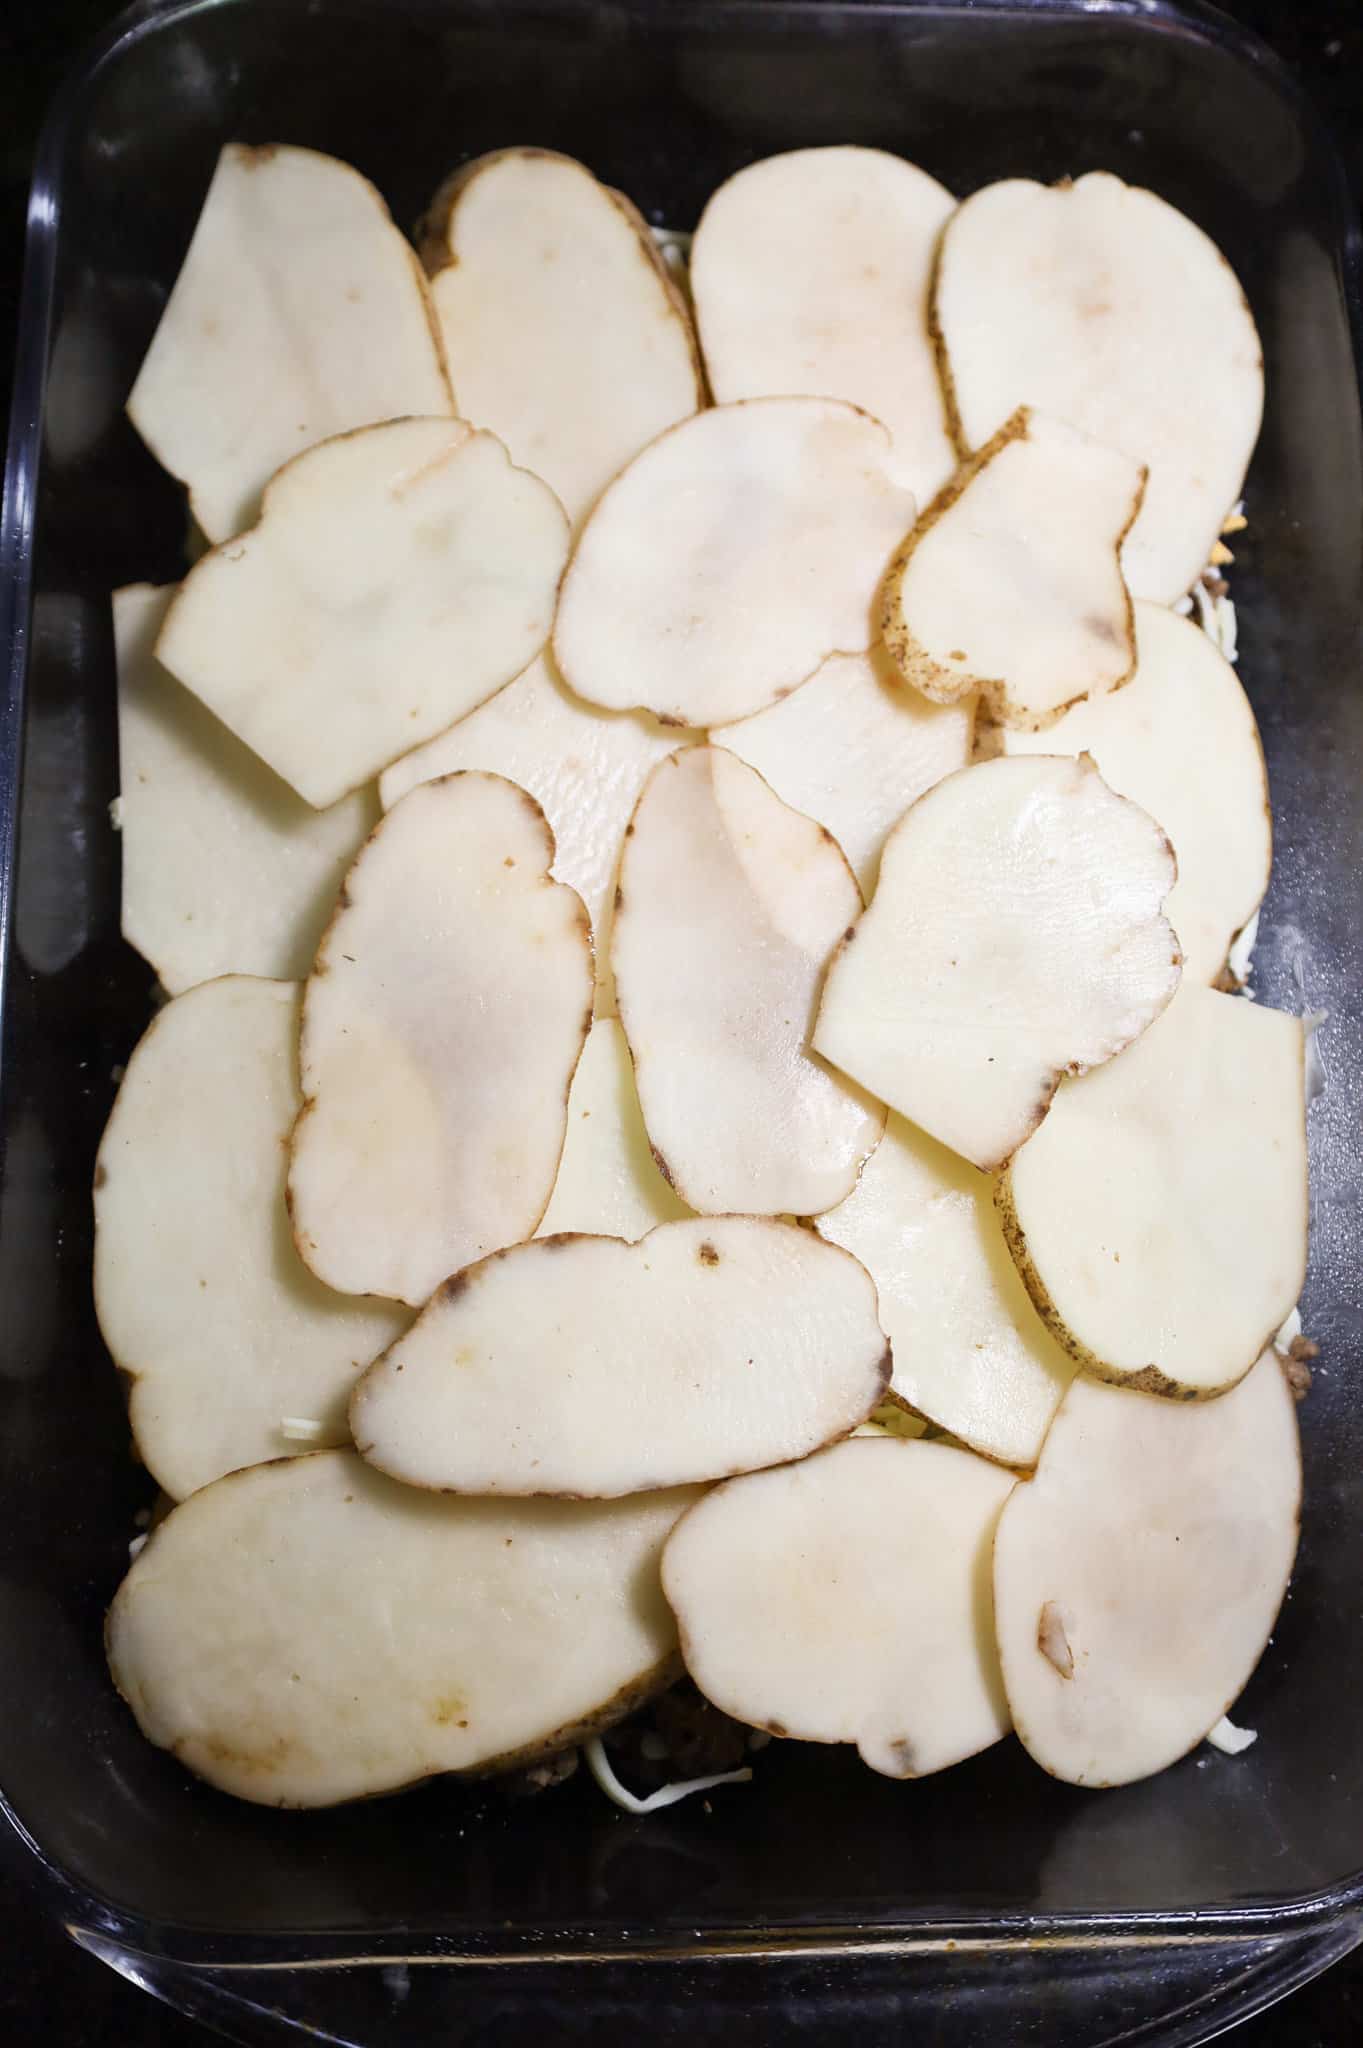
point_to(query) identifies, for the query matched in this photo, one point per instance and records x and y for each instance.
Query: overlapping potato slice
(970, 1351)
(588, 1367)
(1180, 740)
(266, 866)
(853, 749)
(810, 273)
(442, 1022)
(472, 1635)
(1101, 303)
(397, 578)
(1137, 1576)
(846, 1599)
(729, 905)
(1158, 1217)
(608, 1180)
(203, 1303)
(299, 312)
(734, 554)
(1009, 586)
(566, 336)
(1015, 935)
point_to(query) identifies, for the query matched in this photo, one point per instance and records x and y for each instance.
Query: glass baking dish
(973, 1908)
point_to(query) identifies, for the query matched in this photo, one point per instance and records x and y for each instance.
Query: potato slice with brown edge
(588, 1367)
(442, 1022)
(810, 273)
(572, 343)
(1137, 1576)
(1159, 1215)
(1015, 935)
(299, 312)
(847, 1599)
(608, 1180)
(729, 905)
(475, 1634)
(1009, 586)
(734, 554)
(201, 1298)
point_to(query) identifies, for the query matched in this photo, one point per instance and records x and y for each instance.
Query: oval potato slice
(469, 1635)
(608, 1180)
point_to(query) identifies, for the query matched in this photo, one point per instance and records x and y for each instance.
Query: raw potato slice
(300, 312)
(1100, 303)
(1010, 584)
(729, 905)
(846, 1599)
(1137, 1576)
(853, 749)
(734, 555)
(1015, 935)
(970, 1351)
(568, 339)
(810, 273)
(587, 1367)
(200, 1295)
(469, 1635)
(1180, 740)
(608, 1181)
(1158, 1217)
(444, 1017)
(585, 767)
(265, 868)
(397, 577)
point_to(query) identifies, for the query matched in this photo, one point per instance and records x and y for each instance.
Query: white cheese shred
(301, 1429)
(598, 1763)
(116, 814)
(1229, 1739)
(136, 1547)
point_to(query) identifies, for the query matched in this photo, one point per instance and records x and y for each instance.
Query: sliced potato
(300, 312)
(397, 577)
(846, 1599)
(469, 1635)
(442, 1022)
(1015, 935)
(1009, 586)
(203, 1303)
(265, 867)
(853, 749)
(608, 1180)
(567, 336)
(729, 905)
(970, 1351)
(1181, 741)
(1137, 1576)
(1158, 1217)
(587, 1367)
(735, 554)
(810, 273)
(1100, 303)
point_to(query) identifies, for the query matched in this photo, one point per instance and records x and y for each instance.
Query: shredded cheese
(300, 1429)
(598, 1763)
(1229, 1739)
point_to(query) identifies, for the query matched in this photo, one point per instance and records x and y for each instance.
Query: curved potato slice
(442, 1022)
(300, 312)
(853, 749)
(810, 273)
(846, 1599)
(200, 1295)
(1158, 1217)
(397, 577)
(970, 1351)
(570, 341)
(1015, 935)
(729, 904)
(1181, 741)
(265, 867)
(474, 1634)
(1010, 586)
(588, 1367)
(1137, 1576)
(608, 1180)
(735, 554)
(1100, 303)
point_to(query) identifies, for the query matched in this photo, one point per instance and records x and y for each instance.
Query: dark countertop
(50, 1991)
